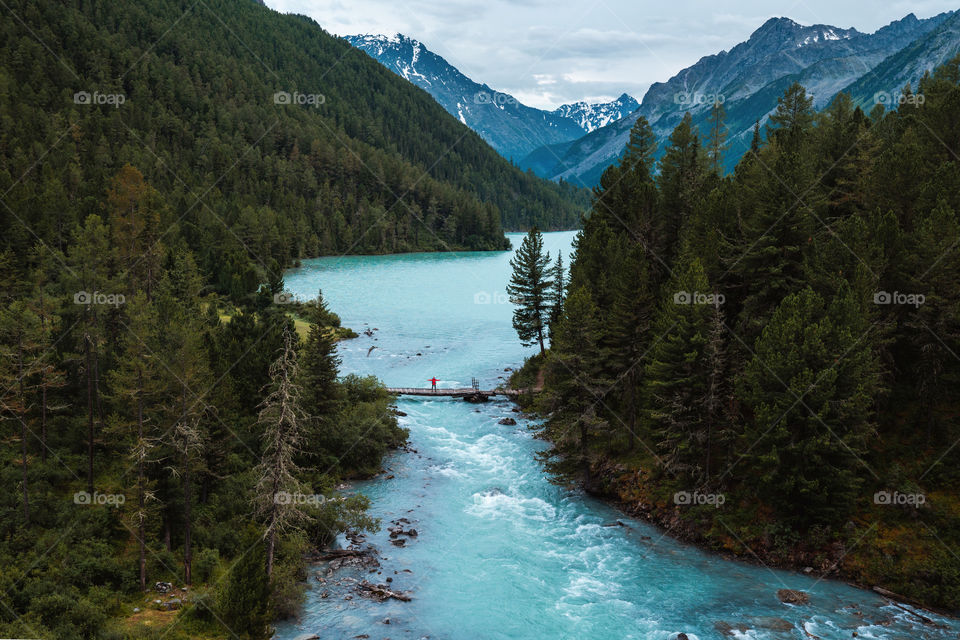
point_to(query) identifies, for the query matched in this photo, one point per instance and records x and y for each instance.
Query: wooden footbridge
(473, 393)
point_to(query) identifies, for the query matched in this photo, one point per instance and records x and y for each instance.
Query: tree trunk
(187, 553)
(271, 530)
(632, 410)
(43, 416)
(43, 386)
(140, 497)
(98, 402)
(23, 435)
(187, 550)
(270, 542)
(86, 350)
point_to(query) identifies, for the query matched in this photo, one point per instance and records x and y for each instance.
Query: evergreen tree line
(154, 433)
(782, 341)
(267, 139)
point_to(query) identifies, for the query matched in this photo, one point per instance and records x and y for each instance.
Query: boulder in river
(793, 596)
(507, 421)
(772, 623)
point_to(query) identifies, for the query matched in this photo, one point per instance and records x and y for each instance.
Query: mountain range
(509, 126)
(748, 79)
(577, 142)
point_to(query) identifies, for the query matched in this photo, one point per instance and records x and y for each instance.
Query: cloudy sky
(548, 52)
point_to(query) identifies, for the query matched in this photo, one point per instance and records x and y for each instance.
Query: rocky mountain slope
(510, 127)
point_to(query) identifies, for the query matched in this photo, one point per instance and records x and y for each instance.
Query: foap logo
(888, 498)
(497, 297)
(896, 297)
(284, 297)
(695, 297)
(897, 99)
(304, 99)
(97, 498)
(696, 98)
(695, 498)
(494, 97)
(285, 497)
(99, 298)
(113, 99)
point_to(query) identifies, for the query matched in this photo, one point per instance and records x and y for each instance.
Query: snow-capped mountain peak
(593, 116)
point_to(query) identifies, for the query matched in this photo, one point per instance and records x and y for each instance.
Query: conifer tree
(19, 348)
(135, 384)
(559, 292)
(627, 198)
(680, 181)
(809, 388)
(245, 601)
(49, 376)
(717, 138)
(320, 365)
(530, 289)
(932, 329)
(677, 379)
(187, 381)
(627, 338)
(778, 214)
(577, 382)
(90, 262)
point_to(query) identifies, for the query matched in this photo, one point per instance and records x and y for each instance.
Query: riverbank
(892, 549)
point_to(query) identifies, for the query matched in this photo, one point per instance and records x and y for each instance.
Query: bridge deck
(452, 393)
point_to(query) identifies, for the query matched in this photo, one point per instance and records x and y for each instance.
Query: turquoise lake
(502, 553)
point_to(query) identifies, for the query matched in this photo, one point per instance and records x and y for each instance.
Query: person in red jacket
(433, 382)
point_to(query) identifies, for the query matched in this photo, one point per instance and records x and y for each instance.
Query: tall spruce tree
(680, 181)
(19, 347)
(717, 137)
(320, 365)
(134, 386)
(625, 336)
(530, 289)
(677, 380)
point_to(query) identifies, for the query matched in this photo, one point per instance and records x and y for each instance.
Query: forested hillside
(768, 362)
(267, 138)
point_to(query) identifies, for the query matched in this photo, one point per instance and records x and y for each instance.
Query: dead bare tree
(279, 498)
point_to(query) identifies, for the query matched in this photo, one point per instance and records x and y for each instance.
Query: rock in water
(792, 596)
(507, 421)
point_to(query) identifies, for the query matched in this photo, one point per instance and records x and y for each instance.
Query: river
(502, 553)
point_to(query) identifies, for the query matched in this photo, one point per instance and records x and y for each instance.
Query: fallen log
(924, 619)
(894, 597)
